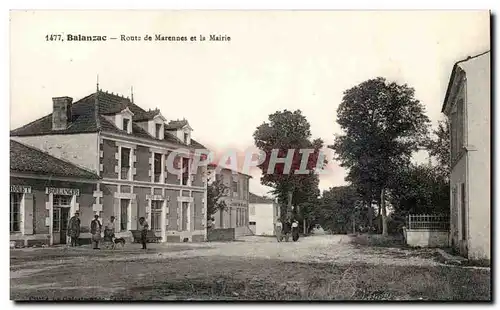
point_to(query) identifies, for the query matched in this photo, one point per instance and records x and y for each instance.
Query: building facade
(264, 212)
(467, 106)
(44, 193)
(130, 149)
(236, 197)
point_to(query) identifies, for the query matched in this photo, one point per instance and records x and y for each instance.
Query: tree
(438, 147)
(363, 181)
(215, 192)
(426, 188)
(383, 125)
(286, 132)
(420, 189)
(305, 200)
(339, 209)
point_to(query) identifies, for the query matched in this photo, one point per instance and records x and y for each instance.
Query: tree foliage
(383, 125)
(420, 189)
(215, 192)
(426, 188)
(337, 208)
(438, 147)
(287, 131)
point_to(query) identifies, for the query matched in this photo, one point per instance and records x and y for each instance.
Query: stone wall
(427, 238)
(221, 234)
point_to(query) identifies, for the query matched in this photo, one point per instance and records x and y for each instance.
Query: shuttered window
(125, 163)
(15, 211)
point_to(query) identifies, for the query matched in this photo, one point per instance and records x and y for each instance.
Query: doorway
(60, 224)
(156, 217)
(61, 208)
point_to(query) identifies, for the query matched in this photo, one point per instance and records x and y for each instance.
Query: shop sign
(62, 191)
(20, 189)
(155, 197)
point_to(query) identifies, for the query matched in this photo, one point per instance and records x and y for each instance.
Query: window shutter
(28, 214)
(117, 211)
(133, 210)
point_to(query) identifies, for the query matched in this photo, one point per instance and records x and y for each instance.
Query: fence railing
(428, 222)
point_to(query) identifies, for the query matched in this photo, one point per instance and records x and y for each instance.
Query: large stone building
(236, 198)
(468, 107)
(127, 147)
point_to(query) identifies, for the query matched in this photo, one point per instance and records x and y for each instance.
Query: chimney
(61, 114)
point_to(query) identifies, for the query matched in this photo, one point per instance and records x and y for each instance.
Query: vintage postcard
(250, 155)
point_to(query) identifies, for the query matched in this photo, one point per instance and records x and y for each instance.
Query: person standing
(287, 229)
(278, 229)
(95, 231)
(295, 230)
(143, 227)
(74, 229)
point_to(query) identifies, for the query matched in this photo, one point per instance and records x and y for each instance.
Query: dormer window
(122, 120)
(186, 138)
(156, 125)
(158, 131)
(126, 123)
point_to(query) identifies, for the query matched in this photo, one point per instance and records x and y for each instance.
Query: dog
(120, 241)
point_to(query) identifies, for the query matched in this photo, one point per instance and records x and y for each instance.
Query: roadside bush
(395, 224)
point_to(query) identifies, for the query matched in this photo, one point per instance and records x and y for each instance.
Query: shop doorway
(60, 218)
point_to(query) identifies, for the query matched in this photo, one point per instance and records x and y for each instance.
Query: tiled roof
(145, 116)
(84, 120)
(197, 144)
(174, 125)
(111, 104)
(214, 166)
(258, 199)
(30, 160)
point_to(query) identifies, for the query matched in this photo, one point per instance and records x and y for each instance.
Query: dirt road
(320, 267)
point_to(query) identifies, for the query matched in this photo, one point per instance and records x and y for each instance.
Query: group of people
(287, 228)
(96, 231)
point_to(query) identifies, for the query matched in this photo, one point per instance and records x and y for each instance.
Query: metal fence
(428, 222)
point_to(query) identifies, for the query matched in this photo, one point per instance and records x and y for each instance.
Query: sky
(275, 60)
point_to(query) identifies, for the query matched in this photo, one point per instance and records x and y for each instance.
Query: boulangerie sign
(342, 122)
(62, 191)
(155, 197)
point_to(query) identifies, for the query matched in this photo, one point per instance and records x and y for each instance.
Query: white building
(263, 213)
(467, 105)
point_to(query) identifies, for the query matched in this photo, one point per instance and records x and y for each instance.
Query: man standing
(74, 229)
(111, 226)
(143, 227)
(95, 230)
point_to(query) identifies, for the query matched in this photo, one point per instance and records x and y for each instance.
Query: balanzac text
(79, 37)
